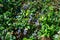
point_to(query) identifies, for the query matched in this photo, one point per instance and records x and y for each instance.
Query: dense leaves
(29, 19)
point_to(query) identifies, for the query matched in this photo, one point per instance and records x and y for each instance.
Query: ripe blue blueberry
(34, 34)
(25, 7)
(36, 22)
(25, 32)
(19, 30)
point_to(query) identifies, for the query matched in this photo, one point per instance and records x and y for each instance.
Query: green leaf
(0, 0)
(51, 7)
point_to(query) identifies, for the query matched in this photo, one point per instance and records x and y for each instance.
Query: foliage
(29, 19)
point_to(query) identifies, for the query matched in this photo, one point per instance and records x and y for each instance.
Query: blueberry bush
(29, 19)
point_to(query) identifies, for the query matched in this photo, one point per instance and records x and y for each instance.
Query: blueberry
(34, 34)
(36, 22)
(25, 32)
(25, 7)
(19, 30)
